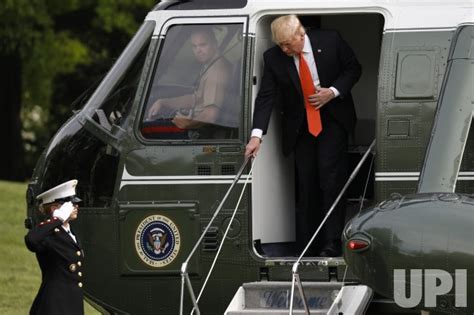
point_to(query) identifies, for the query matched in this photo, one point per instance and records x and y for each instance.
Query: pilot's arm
(208, 98)
(179, 102)
(208, 115)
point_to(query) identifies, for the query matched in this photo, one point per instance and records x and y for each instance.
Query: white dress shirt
(68, 231)
(309, 57)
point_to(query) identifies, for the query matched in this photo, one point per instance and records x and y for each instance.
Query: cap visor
(76, 199)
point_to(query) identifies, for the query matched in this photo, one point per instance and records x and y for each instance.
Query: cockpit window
(111, 103)
(195, 92)
(465, 182)
(116, 107)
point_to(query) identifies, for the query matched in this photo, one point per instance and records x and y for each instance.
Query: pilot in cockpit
(201, 107)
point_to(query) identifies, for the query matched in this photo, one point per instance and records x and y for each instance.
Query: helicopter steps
(272, 297)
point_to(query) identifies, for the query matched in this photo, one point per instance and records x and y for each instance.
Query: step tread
(280, 284)
(275, 295)
(273, 312)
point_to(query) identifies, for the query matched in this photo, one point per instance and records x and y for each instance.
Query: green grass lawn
(20, 276)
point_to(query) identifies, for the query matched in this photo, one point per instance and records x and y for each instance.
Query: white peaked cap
(64, 190)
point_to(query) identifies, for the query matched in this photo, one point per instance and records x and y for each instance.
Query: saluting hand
(65, 211)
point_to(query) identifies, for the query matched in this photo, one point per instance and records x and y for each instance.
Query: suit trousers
(321, 165)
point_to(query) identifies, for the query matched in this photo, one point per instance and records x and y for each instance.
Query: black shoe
(331, 249)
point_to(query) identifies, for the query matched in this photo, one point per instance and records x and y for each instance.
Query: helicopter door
(189, 145)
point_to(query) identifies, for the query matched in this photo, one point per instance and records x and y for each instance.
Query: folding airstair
(272, 297)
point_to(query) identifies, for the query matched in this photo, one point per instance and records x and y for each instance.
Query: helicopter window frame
(465, 175)
(239, 26)
(92, 112)
(116, 109)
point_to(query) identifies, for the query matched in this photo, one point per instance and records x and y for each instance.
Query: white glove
(64, 211)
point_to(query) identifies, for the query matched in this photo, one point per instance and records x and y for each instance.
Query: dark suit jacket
(60, 260)
(337, 66)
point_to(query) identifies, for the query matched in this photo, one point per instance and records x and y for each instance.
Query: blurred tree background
(52, 51)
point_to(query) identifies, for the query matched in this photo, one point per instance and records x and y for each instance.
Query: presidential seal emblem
(157, 240)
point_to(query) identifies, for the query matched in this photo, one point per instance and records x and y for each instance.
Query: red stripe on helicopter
(162, 129)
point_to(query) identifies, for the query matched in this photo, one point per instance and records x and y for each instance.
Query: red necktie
(307, 85)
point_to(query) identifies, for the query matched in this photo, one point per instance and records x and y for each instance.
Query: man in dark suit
(58, 252)
(321, 161)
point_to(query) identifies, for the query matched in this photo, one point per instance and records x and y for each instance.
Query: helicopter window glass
(196, 88)
(465, 182)
(116, 107)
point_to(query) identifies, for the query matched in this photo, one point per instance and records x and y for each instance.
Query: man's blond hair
(286, 27)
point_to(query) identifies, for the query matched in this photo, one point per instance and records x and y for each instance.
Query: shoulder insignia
(51, 220)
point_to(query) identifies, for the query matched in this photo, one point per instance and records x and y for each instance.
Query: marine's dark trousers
(321, 172)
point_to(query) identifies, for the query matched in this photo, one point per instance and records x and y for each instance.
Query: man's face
(203, 47)
(292, 46)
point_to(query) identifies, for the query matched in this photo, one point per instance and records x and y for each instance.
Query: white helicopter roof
(398, 14)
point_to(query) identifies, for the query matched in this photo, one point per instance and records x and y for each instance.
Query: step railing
(185, 280)
(295, 275)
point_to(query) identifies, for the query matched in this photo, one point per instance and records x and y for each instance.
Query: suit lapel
(317, 44)
(293, 73)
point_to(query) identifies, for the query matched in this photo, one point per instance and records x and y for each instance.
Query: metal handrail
(295, 276)
(184, 267)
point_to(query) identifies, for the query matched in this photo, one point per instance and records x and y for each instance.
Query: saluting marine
(58, 252)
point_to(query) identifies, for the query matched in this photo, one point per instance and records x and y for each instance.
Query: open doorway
(273, 189)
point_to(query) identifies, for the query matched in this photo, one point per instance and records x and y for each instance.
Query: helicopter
(425, 229)
(164, 206)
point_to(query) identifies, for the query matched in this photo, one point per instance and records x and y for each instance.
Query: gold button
(80, 284)
(49, 220)
(79, 263)
(79, 274)
(72, 267)
(56, 230)
(78, 253)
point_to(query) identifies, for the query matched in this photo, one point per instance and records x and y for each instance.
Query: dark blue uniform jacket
(61, 263)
